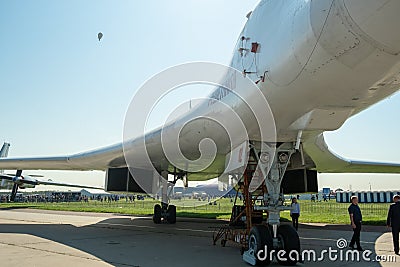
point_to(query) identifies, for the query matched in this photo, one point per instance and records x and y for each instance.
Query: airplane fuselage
(316, 62)
(321, 62)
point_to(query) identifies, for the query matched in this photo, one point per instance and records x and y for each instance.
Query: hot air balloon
(99, 36)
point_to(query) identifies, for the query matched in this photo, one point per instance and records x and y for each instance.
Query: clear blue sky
(62, 91)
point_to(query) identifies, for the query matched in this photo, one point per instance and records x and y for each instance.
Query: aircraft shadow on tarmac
(120, 241)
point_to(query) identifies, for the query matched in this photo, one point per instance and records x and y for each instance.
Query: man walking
(356, 219)
(393, 220)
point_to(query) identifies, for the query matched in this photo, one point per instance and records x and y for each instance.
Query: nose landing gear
(263, 240)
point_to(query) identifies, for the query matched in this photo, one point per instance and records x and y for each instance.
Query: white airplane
(19, 181)
(317, 63)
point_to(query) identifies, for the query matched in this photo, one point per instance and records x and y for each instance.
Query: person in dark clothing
(295, 213)
(393, 221)
(356, 219)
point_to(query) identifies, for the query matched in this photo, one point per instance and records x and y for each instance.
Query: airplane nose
(378, 22)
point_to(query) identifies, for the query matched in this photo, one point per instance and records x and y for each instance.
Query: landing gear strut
(165, 212)
(263, 240)
(15, 186)
(281, 238)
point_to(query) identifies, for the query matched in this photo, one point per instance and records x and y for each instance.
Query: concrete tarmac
(53, 238)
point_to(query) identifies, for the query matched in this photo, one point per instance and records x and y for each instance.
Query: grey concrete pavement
(52, 238)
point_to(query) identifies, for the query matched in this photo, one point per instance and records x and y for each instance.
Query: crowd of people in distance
(67, 197)
(58, 198)
(36, 198)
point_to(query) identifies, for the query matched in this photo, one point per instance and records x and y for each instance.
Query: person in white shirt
(295, 213)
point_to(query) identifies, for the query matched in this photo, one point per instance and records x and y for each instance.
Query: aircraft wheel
(223, 242)
(290, 241)
(157, 214)
(171, 214)
(242, 250)
(260, 238)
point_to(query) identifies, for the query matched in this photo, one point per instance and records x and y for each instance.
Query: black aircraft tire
(291, 242)
(260, 238)
(157, 214)
(171, 214)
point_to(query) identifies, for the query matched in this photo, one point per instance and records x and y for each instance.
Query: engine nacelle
(23, 186)
(121, 180)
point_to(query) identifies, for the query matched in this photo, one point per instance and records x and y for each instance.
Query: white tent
(94, 193)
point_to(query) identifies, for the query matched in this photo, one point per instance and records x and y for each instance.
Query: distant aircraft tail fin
(4, 154)
(4, 150)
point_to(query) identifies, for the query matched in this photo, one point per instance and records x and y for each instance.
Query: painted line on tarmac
(110, 224)
(330, 239)
(193, 230)
(155, 227)
(127, 225)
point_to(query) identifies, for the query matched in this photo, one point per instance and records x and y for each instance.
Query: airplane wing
(327, 161)
(109, 157)
(99, 159)
(68, 185)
